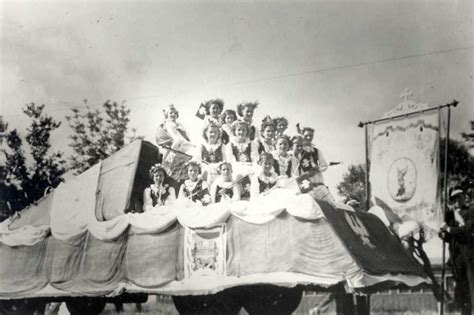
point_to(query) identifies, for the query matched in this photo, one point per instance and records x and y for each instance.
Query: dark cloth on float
(229, 192)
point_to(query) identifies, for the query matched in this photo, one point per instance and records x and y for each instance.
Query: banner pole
(367, 184)
(445, 207)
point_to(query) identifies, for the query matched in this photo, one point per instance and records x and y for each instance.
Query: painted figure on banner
(404, 166)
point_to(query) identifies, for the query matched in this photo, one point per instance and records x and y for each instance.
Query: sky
(325, 64)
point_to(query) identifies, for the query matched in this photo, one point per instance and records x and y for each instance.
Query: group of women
(235, 160)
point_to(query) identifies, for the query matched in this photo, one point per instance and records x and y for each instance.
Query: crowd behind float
(236, 158)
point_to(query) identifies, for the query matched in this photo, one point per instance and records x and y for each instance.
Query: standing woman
(227, 118)
(214, 109)
(160, 192)
(212, 151)
(285, 163)
(241, 151)
(224, 187)
(246, 111)
(281, 125)
(266, 141)
(194, 188)
(266, 178)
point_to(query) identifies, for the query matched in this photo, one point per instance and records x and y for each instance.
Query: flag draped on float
(404, 169)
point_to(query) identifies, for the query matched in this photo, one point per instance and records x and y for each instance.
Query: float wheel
(271, 299)
(85, 305)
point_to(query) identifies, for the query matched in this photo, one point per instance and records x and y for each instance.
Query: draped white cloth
(71, 219)
(26, 235)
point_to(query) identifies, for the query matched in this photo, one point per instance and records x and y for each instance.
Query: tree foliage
(27, 178)
(97, 133)
(460, 172)
(353, 184)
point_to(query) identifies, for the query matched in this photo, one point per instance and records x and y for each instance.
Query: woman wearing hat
(160, 192)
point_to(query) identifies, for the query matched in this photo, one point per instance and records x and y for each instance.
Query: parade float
(88, 241)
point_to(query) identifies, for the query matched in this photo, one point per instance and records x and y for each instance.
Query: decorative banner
(205, 251)
(404, 167)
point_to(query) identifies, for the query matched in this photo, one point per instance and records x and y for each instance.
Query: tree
(353, 184)
(460, 172)
(25, 180)
(96, 134)
(460, 165)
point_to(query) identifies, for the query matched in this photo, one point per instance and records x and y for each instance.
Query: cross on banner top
(406, 94)
(406, 106)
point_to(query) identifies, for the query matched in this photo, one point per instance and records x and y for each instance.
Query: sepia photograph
(237, 157)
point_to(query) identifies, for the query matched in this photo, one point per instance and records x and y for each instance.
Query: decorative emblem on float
(401, 179)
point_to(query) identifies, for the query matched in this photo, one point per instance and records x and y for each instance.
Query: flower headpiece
(241, 106)
(226, 113)
(221, 165)
(286, 138)
(195, 164)
(266, 122)
(302, 131)
(156, 168)
(216, 101)
(168, 109)
(238, 123)
(264, 156)
(211, 123)
(282, 120)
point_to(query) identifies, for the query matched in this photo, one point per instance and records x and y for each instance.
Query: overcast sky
(324, 64)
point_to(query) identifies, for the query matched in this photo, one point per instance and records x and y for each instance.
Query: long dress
(243, 156)
(197, 191)
(262, 183)
(222, 190)
(158, 196)
(211, 155)
(312, 159)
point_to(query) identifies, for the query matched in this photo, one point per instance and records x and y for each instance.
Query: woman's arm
(172, 195)
(228, 153)
(323, 165)
(254, 187)
(254, 151)
(213, 192)
(147, 201)
(181, 194)
(237, 191)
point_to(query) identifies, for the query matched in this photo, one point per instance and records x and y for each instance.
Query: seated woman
(311, 159)
(171, 129)
(211, 152)
(266, 142)
(194, 188)
(160, 192)
(227, 118)
(214, 109)
(172, 134)
(246, 111)
(281, 124)
(240, 151)
(224, 188)
(266, 178)
(285, 164)
(297, 147)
